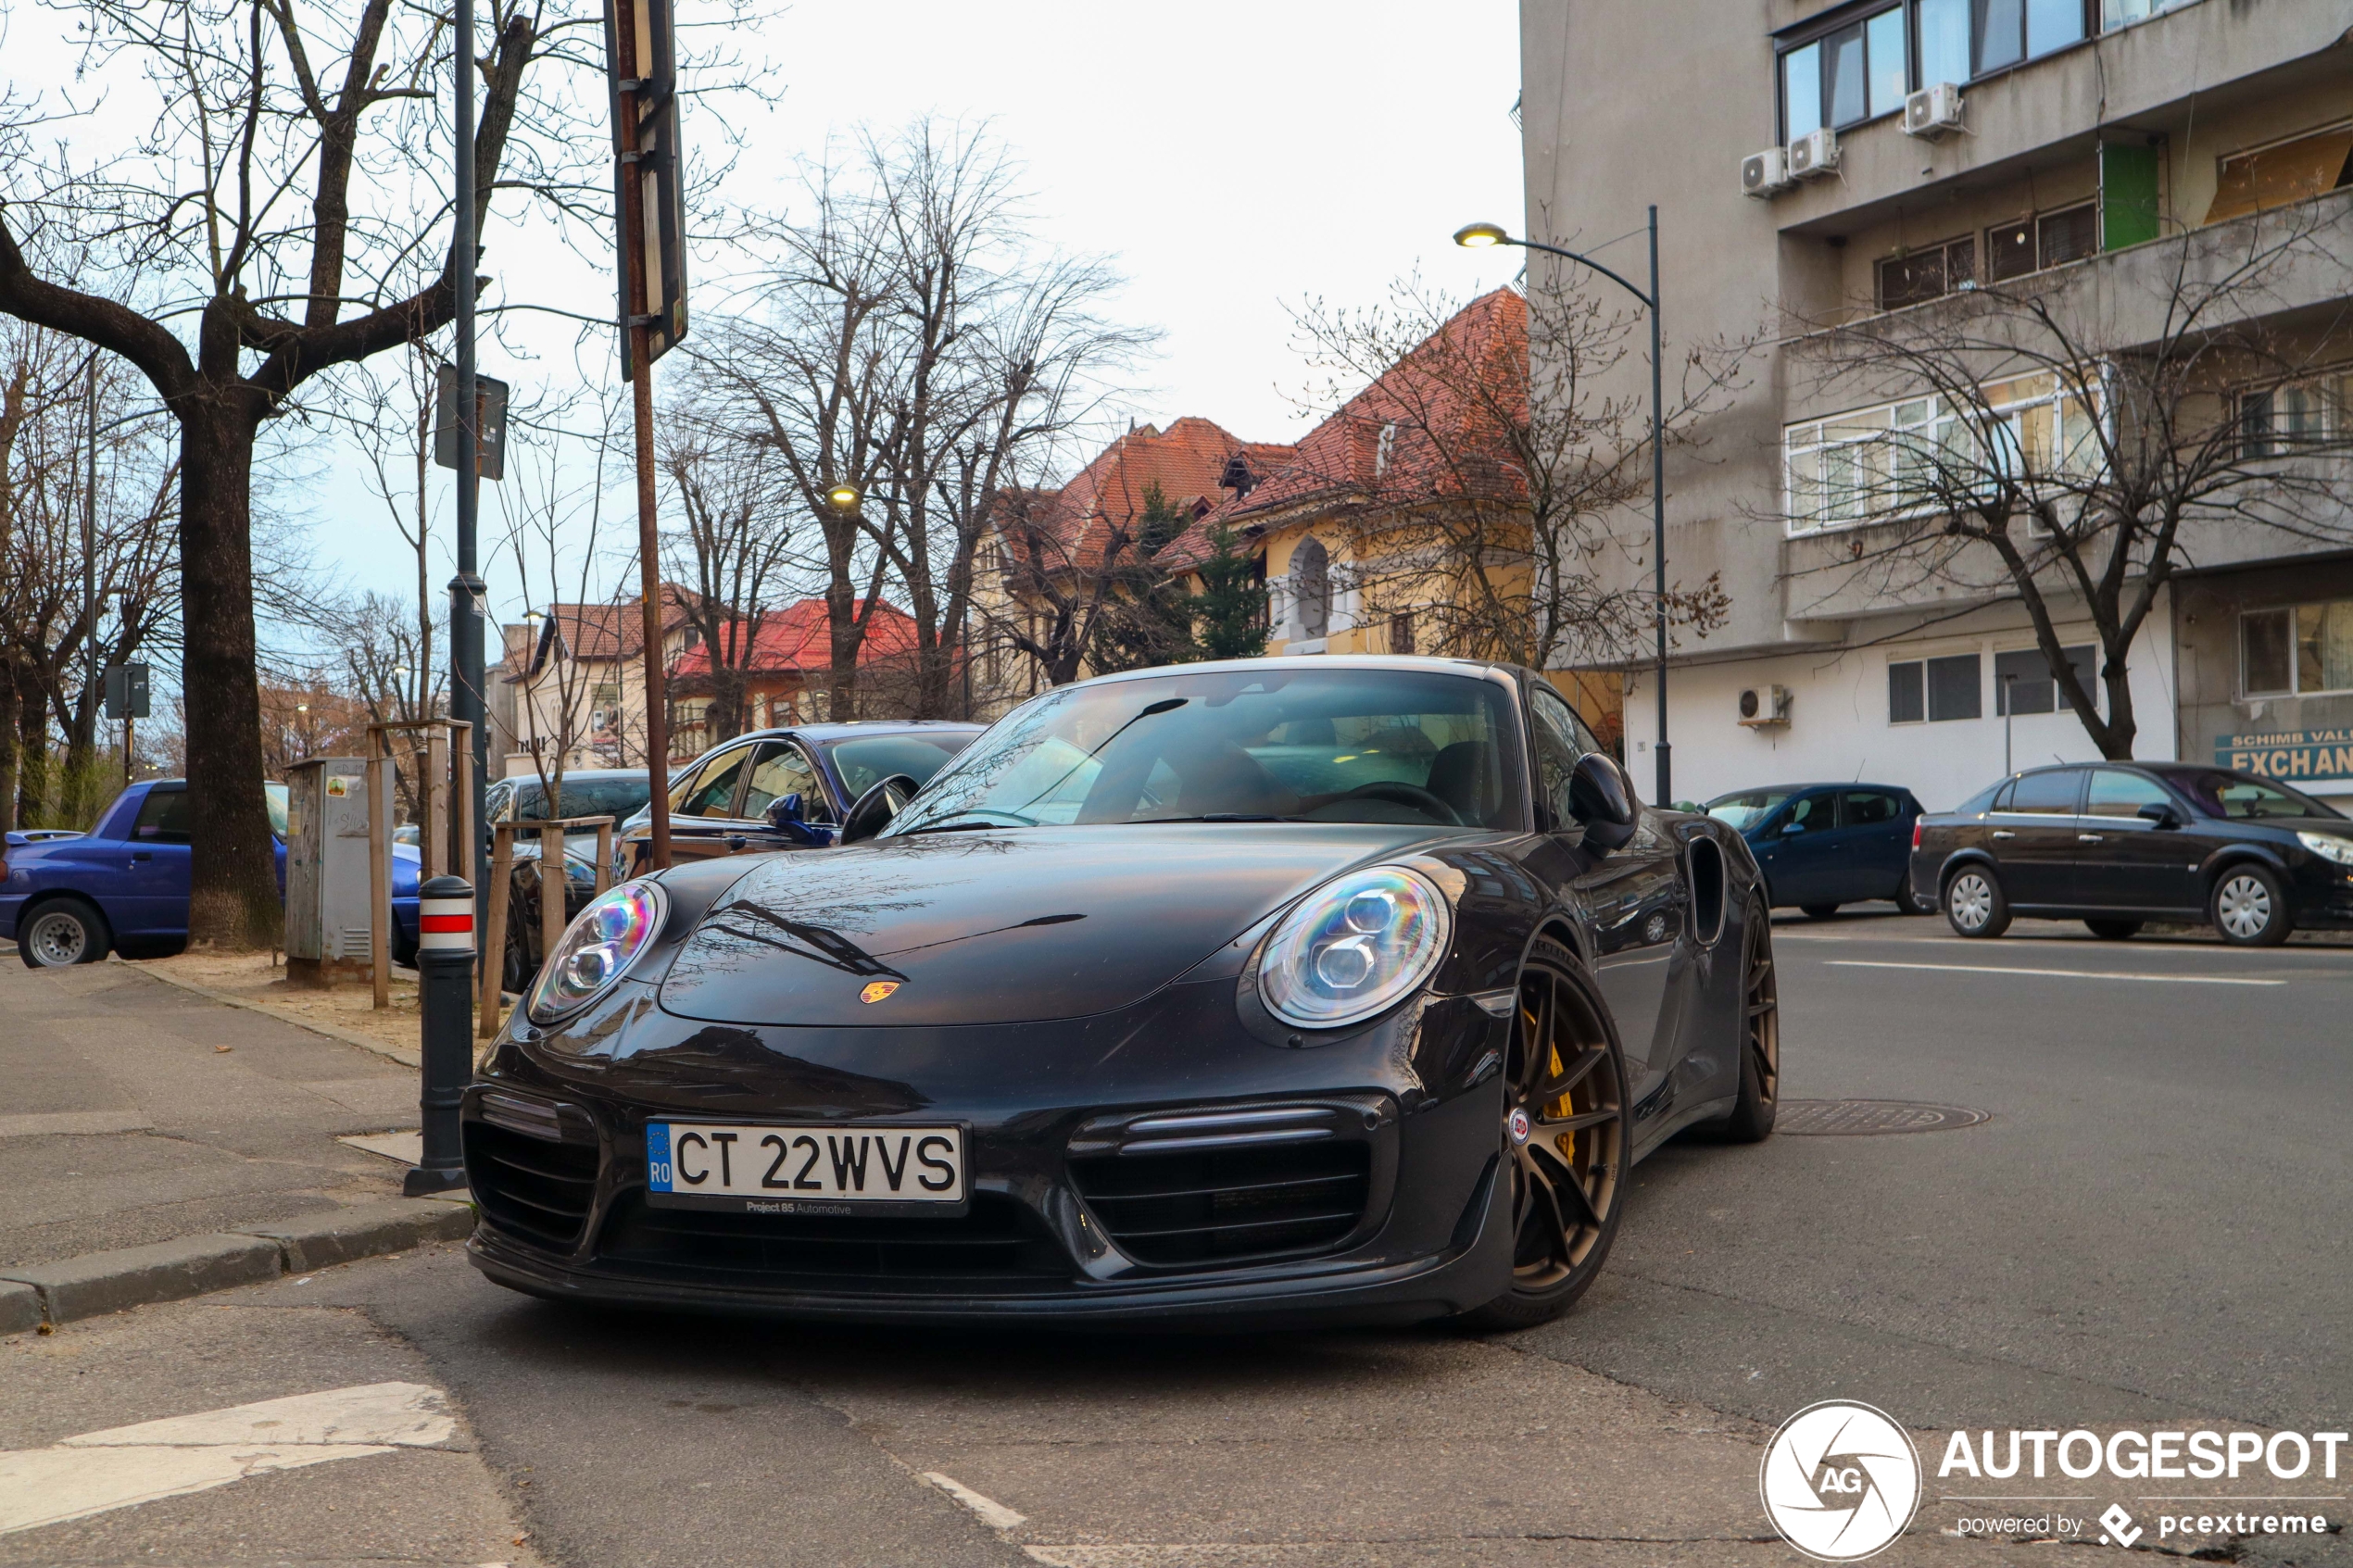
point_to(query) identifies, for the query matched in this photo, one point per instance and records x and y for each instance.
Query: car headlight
(596, 948)
(1354, 947)
(2328, 847)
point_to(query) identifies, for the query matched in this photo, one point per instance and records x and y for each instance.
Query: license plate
(805, 1170)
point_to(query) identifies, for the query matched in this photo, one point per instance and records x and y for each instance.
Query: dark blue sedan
(68, 898)
(1823, 845)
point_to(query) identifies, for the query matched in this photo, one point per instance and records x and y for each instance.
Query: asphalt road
(2149, 1228)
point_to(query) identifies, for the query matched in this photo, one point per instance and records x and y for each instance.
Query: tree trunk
(10, 709)
(232, 895)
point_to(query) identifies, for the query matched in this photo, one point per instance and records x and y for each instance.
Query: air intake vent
(1000, 1245)
(537, 1190)
(1217, 1187)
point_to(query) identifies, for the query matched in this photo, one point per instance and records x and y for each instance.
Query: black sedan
(1325, 987)
(2118, 843)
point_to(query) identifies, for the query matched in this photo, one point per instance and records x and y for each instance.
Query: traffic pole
(445, 997)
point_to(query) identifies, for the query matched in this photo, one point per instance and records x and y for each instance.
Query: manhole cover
(1821, 1118)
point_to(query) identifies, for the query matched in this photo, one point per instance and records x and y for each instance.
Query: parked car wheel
(66, 931)
(2249, 908)
(1760, 1091)
(1820, 912)
(1974, 904)
(2113, 930)
(1911, 901)
(1567, 1130)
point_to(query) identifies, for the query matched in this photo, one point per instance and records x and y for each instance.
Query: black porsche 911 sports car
(1289, 988)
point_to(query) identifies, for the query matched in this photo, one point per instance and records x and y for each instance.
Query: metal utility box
(327, 922)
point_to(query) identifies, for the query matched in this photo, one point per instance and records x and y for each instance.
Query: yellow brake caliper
(1561, 1108)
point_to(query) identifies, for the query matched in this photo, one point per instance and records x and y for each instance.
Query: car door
(780, 768)
(703, 824)
(1875, 840)
(2125, 861)
(154, 896)
(1800, 852)
(1633, 900)
(2033, 833)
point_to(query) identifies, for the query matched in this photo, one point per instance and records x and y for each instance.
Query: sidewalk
(135, 1112)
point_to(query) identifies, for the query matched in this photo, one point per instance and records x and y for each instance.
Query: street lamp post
(1479, 236)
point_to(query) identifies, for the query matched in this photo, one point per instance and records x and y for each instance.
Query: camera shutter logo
(1840, 1481)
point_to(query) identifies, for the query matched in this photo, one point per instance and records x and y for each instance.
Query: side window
(2054, 794)
(1863, 807)
(714, 788)
(163, 818)
(779, 769)
(2116, 793)
(1558, 745)
(1815, 813)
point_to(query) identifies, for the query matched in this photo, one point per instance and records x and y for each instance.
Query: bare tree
(2077, 437)
(258, 107)
(1489, 473)
(733, 555)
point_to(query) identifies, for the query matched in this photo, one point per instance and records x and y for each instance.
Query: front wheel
(2249, 908)
(61, 934)
(1760, 1036)
(2113, 930)
(1820, 911)
(1974, 903)
(1566, 1135)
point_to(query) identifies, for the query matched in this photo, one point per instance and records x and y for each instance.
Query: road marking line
(2061, 973)
(124, 1466)
(991, 1513)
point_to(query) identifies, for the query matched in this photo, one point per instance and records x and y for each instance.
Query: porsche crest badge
(877, 990)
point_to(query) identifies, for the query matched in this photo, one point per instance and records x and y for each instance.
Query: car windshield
(276, 794)
(585, 797)
(1744, 811)
(2237, 797)
(1327, 746)
(868, 760)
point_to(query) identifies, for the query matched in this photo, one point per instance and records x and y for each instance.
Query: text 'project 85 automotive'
(1330, 987)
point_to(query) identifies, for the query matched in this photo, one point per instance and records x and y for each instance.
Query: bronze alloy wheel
(1565, 1136)
(1760, 1090)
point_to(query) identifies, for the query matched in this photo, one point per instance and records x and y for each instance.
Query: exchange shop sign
(2289, 754)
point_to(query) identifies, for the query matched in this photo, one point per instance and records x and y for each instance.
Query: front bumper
(1408, 1112)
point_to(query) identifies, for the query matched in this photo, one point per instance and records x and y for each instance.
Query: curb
(394, 1053)
(41, 1296)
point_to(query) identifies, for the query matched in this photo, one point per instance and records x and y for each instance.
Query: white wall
(1839, 727)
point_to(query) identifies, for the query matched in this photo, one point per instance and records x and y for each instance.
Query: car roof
(1436, 662)
(572, 773)
(1827, 783)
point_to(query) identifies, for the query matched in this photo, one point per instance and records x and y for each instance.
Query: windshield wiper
(966, 825)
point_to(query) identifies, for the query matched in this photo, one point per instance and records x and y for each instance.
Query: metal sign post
(641, 68)
(126, 689)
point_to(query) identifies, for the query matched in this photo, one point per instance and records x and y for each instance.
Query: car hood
(996, 927)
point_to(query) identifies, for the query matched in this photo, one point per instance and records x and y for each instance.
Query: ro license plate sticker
(804, 1169)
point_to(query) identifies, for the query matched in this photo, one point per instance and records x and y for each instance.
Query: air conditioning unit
(1765, 174)
(1814, 155)
(1761, 705)
(1932, 111)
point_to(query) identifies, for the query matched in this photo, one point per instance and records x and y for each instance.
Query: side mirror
(874, 808)
(785, 812)
(1600, 798)
(2163, 816)
(1789, 828)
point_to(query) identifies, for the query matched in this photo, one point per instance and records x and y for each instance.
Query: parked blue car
(72, 898)
(1823, 845)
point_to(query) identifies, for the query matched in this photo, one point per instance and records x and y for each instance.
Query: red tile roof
(798, 638)
(1072, 526)
(1451, 402)
(615, 630)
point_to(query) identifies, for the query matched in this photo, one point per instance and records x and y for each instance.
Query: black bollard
(444, 1001)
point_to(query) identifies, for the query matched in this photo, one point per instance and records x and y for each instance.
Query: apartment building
(1816, 166)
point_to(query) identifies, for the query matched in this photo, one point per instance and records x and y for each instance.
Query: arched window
(1311, 587)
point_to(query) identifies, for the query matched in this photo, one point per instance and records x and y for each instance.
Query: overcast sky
(1228, 159)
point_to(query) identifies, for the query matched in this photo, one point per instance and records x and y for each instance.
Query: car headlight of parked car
(1354, 947)
(2328, 847)
(596, 949)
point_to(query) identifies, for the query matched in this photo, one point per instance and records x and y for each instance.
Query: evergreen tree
(1148, 620)
(1229, 613)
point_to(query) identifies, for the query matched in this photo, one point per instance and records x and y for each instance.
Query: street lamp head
(1479, 236)
(302, 708)
(843, 498)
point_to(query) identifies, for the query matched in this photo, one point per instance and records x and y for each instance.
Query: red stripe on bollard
(445, 923)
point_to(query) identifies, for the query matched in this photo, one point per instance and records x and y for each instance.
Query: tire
(1820, 911)
(2249, 908)
(1567, 1129)
(2113, 930)
(60, 933)
(1760, 1037)
(1974, 903)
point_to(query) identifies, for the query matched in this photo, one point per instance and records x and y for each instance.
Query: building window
(1933, 690)
(2024, 682)
(1842, 77)
(1923, 275)
(1401, 632)
(1921, 455)
(1311, 587)
(2294, 170)
(2053, 239)
(2274, 421)
(2301, 651)
(2125, 13)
